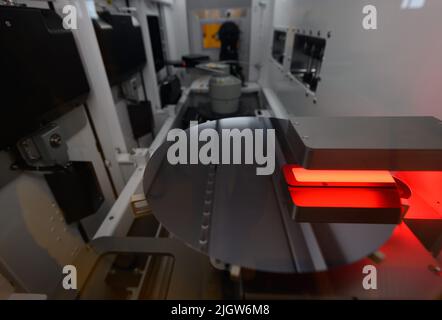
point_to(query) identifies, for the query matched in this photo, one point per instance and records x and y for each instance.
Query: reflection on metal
(412, 4)
(140, 207)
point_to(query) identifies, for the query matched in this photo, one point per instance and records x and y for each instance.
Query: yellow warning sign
(210, 35)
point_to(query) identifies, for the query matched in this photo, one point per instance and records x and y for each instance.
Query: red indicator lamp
(343, 196)
(300, 177)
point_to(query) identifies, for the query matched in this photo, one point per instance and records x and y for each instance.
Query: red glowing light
(300, 177)
(345, 197)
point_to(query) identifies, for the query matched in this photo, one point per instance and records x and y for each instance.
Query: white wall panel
(394, 70)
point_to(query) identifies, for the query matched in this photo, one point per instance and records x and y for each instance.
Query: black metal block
(141, 119)
(42, 76)
(76, 191)
(170, 91)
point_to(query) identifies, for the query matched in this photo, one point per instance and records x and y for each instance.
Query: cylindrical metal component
(225, 92)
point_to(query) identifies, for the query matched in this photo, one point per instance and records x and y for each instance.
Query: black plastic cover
(76, 191)
(42, 75)
(121, 45)
(170, 91)
(141, 119)
(156, 42)
(192, 60)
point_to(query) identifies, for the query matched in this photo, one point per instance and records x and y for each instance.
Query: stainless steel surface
(386, 143)
(250, 224)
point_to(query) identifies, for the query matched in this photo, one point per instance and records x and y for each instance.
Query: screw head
(55, 140)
